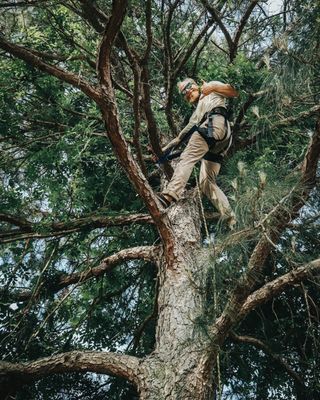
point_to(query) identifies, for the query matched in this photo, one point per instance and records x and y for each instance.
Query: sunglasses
(186, 89)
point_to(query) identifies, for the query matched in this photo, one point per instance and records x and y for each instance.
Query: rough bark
(15, 375)
(179, 368)
(182, 364)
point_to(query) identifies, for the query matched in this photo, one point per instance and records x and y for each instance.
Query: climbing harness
(216, 146)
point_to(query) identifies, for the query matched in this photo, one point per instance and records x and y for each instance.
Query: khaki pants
(195, 150)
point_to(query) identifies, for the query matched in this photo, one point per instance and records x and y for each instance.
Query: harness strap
(215, 157)
(217, 111)
(207, 133)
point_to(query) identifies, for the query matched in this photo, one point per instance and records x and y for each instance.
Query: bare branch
(242, 25)
(169, 66)
(15, 295)
(217, 18)
(277, 286)
(12, 219)
(110, 34)
(75, 361)
(151, 122)
(167, 36)
(40, 231)
(267, 350)
(94, 16)
(291, 120)
(186, 56)
(148, 253)
(136, 69)
(148, 12)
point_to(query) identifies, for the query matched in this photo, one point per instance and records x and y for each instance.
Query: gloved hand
(173, 143)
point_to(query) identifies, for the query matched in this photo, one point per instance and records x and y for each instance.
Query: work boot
(165, 199)
(229, 219)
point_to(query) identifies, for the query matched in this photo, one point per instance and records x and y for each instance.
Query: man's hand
(205, 89)
(173, 143)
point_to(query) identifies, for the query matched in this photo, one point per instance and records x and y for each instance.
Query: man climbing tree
(106, 294)
(210, 140)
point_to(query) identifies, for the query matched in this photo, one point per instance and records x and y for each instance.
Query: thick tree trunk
(180, 367)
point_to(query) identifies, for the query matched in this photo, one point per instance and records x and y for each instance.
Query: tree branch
(65, 76)
(12, 219)
(96, 18)
(75, 361)
(241, 144)
(61, 57)
(274, 46)
(267, 54)
(267, 350)
(168, 65)
(146, 97)
(110, 113)
(111, 31)
(148, 14)
(291, 120)
(278, 285)
(151, 122)
(215, 15)
(27, 3)
(40, 231)
(148, 253)
(242, 25)
(277, 223)
(251, 98)
(189, 51)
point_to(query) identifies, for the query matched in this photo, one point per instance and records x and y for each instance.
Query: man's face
(191, 93)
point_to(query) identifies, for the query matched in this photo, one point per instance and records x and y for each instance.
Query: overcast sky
(274, 6)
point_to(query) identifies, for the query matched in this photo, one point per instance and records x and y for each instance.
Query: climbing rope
(215, 299)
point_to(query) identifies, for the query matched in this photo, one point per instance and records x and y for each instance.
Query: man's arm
(224, 89)
(194, 120)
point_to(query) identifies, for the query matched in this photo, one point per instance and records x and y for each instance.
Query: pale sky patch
(274, 6)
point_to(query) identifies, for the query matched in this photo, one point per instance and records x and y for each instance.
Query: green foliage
(56, 166)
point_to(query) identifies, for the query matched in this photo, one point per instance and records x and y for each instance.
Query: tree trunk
(181, 365)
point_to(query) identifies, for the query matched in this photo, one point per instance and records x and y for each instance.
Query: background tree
(98, 282)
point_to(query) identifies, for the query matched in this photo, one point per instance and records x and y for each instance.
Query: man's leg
(208, 173)
(195, 150)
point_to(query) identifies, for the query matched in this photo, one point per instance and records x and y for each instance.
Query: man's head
(189, 89)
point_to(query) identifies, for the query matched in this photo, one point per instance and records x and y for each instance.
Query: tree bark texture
(181, 367)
